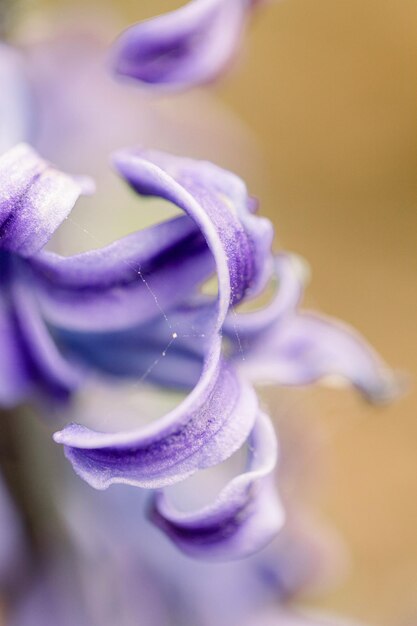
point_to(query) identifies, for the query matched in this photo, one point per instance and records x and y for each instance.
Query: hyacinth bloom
(190, 46)
(141, 310)
(119, 309)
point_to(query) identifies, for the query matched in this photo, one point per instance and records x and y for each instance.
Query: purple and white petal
(306, 348)
(219, 204)
(34, 200)
(183, 48)
(206, 428)
(14, 377)
(46, 367)
(30, 359)
(134, 279)
(246, 515)
(291, 273)
(285, 346)
(170, 354)
(167, 351)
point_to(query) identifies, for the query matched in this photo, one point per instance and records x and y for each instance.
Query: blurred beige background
(329, 87)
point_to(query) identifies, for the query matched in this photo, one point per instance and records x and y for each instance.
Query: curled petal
(169, 354)
(29, 354)
(307, 347)
(126, 283)
(290, 272)
(186, 47)
(47, 367)
(212, 423)
(219, 204)
(14, 379)
(285, 346)
(244, 517)
(34, 200)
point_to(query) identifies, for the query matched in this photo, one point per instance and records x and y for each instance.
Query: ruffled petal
(14, 378)
(30, 359)
(217, 416)
(34, 200)
(307, 347)
(205, 429)
(126, 283)
(48, 368)
(244, 518)
(168, 354)
(218, 202)
(186, 47)
(285, 346)
(290, 274)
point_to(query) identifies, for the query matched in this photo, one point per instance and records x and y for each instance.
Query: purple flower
(246, 510)
(186, 47)
(109, 289)
(135, 310)
(115, 309)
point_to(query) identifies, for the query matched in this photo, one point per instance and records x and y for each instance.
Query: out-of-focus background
(329, 90)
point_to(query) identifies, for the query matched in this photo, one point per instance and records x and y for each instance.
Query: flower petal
(29, 354)
(169, 354)
(126, 283)
(14, 379)
(186, 47)
(285, 346)
(46, 365)
(205, 429)
(290, 272)
(245, 516)
(34, 200)
(307, 347)
(219, 204)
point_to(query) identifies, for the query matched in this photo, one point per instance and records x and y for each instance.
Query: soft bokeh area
(328, 89)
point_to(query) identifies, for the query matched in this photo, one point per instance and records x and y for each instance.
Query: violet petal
(30, 358)
(308, 347)
(183, 48)
(245, 516)
(218, 202)
(34, 200)
(126, 283)
(211, 424)
(285, 346)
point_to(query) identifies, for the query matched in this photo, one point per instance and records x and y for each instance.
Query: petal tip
(392, 386)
